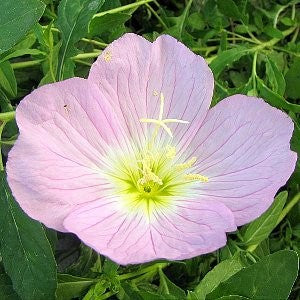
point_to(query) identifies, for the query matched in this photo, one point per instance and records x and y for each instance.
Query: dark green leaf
(260, 229)
(72, 20)
(230, 9)
(226, 58)
(167, 287)
(17, 18)
(26, 252)
(273, 32)
(270, 278)
(292, 78)
(275, 99)
(6, 289)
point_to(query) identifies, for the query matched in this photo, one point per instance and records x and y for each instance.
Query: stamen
(187, 165)
(171, 152)
(193, 176)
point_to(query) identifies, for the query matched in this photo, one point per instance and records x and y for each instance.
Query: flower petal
(136, 72)
(65, 129)
(243, 148)
(191, 228)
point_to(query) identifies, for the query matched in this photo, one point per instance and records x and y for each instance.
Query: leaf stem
(1, 161)
(7, 116)
(143, 271)
(157, 16)
(288, 208)
(122, 8)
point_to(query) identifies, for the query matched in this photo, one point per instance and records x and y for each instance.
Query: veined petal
(188, 229)
(66, 128)
(135, 73)
(243, 148)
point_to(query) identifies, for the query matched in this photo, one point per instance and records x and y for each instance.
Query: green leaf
(273, 32)
(6, 289)
(26, 252)
(259, 230)
(230, 9)
(275, 99)
(217, 275)
(22, 52)
(292, 78)
(270, 278)
(70, 287)
(108, 23)
(7, 79)
(17, 18)
(72, 21)
(275, 77)
(167, 287)
(226, 58)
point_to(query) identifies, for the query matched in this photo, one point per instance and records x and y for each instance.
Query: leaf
(273, 32)
(217, 275)
(6, 289)
(275, 77)
(270, 278)
(230, 9)
(227, 57)
(292, 78)
(7, 79)
(18, 19)
(167, 287)
(275, 99)
(72, 21)
(70, 287)
(22, 52)
(108, 23)
(26, 252)
(259, 230)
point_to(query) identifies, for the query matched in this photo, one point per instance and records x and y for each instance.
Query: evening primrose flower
(134, 163)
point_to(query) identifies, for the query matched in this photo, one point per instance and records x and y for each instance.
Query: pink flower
(133, 161)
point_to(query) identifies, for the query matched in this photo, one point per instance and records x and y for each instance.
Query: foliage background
(252, 47)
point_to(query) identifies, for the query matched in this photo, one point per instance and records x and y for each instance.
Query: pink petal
(65, 129)
(243, 148)
(138, 71)
(188, 229)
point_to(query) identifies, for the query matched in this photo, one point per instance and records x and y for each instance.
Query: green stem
(143, 271)
(288, 207)
(26, 64)
(86, 55)
(122, 8)
(96, 43)
(254, 74)
(157, 16)
(106, 295)
(7, 116)
(1, 161)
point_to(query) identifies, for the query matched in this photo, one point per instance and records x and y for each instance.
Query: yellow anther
(148, 175)
(155, 93)
(193, 176)
(170, 152)
(186, 165)
(107, 56)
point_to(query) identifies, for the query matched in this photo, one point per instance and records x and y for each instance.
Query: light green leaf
(7, 79)
(72, 21)
(217, 275)
(26, 252)
(18, 19)
(70, 287)
(259, 230)
(270, 278)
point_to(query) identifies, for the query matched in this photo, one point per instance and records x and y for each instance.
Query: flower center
(152, 179)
